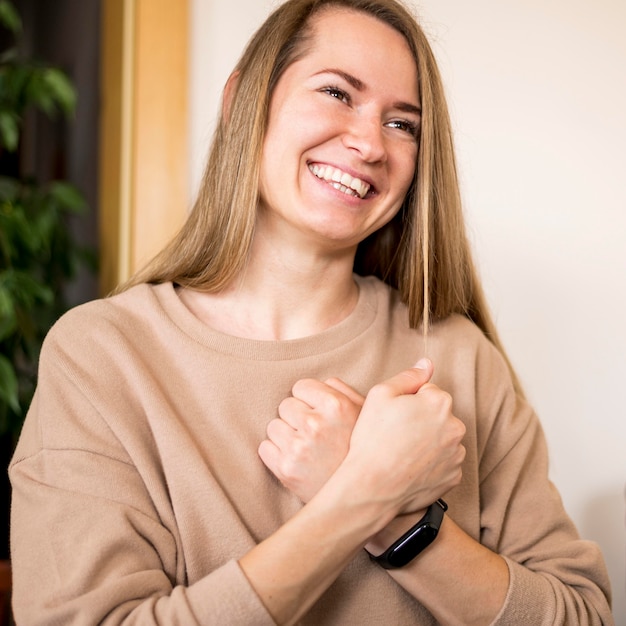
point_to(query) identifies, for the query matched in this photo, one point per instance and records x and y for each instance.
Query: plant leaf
(8, 384)
(8, 56)
(67, 196)
(8, 319)
(60, 88)
(9, 130)
(9, 17)
(9, 189)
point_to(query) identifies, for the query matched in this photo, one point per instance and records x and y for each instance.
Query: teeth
(341, 180)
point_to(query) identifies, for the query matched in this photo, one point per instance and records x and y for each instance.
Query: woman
(218, 442)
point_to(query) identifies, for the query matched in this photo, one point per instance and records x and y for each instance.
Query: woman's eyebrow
(407, 107)
(359, 85)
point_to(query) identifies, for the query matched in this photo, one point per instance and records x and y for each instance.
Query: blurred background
(537, 93)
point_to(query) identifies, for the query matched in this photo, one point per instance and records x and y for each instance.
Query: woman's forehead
(363, 46)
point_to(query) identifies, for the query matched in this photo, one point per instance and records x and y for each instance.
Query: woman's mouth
(340, 180)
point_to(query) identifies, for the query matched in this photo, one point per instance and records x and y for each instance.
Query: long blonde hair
(423, 251)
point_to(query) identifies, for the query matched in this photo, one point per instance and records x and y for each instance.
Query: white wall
(219, 32)
(537, 93)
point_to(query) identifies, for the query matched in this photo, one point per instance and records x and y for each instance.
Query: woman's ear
(228, 95)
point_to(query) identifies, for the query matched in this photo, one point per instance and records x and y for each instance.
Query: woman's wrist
(379, 542)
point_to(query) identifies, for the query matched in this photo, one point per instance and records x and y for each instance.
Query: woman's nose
(365, 135)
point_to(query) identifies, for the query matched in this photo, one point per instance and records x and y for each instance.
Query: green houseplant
(38, 254)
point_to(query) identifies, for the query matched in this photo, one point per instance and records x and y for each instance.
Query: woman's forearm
(459, 580)
(293, 567)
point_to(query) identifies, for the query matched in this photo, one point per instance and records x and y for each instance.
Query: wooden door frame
(143, 169)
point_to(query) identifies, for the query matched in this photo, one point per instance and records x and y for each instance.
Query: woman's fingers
(407, 382)
(310, 439)
(403, 436)
(407, 441)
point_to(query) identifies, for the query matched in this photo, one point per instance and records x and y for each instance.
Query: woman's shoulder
(463, 351)
(460, 331)
(108, 307)
(122, 313)
(455, 332)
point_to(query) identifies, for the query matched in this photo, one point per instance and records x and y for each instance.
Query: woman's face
(341, 143)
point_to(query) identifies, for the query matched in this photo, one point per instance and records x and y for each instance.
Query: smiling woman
(274, 410)
(349, 123)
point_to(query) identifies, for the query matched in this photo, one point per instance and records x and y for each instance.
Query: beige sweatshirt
(137, 484)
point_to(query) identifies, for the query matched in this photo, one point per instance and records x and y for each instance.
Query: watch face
(404, 552)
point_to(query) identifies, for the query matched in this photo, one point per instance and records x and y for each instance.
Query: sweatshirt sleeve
(556, 578)
(88, 544)
(82, 556)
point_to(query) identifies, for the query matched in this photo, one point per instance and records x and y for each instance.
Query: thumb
(425, 367)
(411, 380)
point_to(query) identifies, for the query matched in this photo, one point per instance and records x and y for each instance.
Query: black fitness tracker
(414, 540)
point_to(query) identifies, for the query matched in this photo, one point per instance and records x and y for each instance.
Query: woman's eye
(336, 92)
(405, 125)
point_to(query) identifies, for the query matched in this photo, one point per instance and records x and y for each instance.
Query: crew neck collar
(359, 320)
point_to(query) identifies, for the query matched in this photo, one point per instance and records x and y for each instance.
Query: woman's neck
(280, 296)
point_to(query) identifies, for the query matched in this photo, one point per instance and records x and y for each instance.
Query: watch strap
(414, 540)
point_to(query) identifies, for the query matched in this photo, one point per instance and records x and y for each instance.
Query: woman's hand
(405, 450)
(310, 439)
(406, 443)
